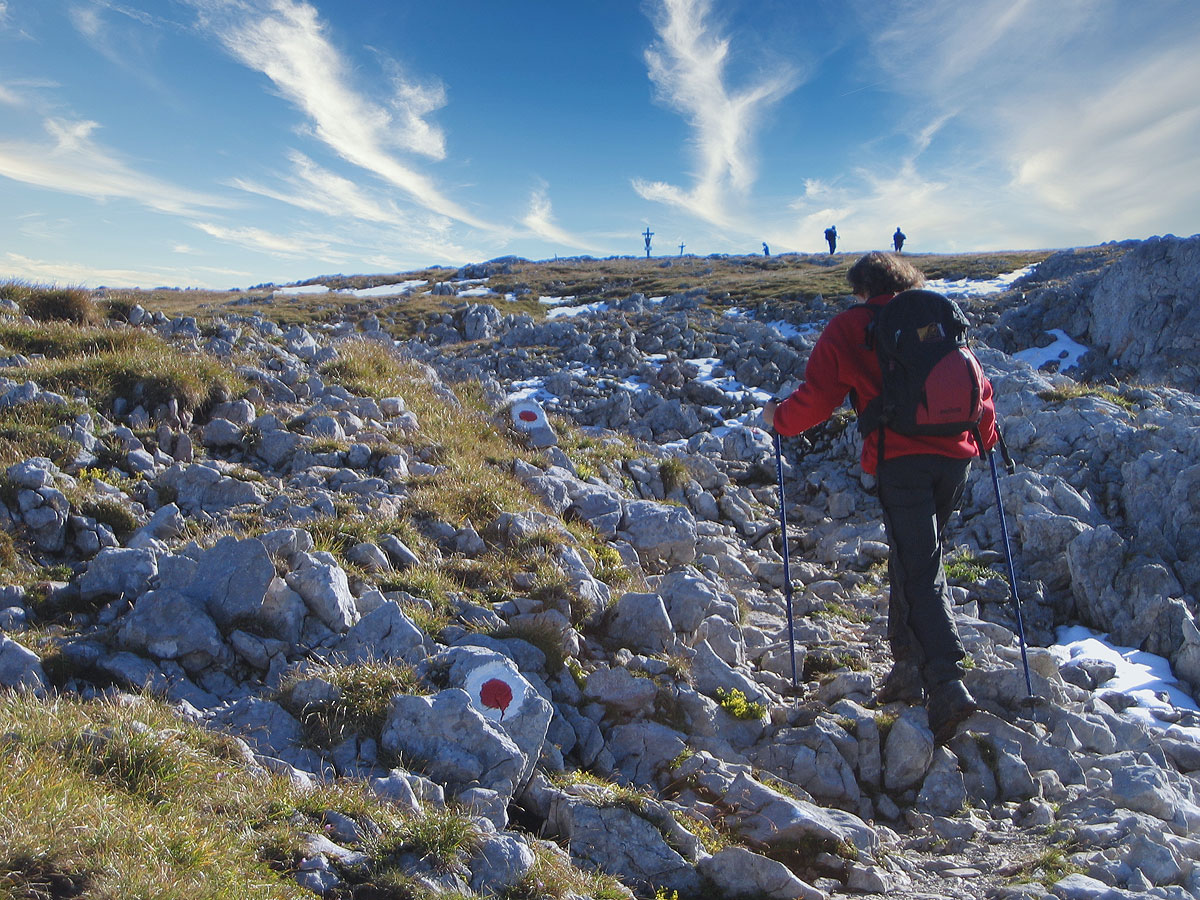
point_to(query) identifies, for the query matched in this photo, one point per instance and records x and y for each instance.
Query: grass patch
(429, 583)
(834, 610)
(113, 513)
(149, 372)
(553, 877)
(130, 802)
(367, 368)
(53, 304)
(542, 635)
(60, 340)
(600, 792)
(884, 722)
(964, 567)
(1048, 867)
(589, 453)
(363, 694)
(126, 801)
(28, 430)
(819, 662)
(674, 473)
(1073, 392)
(443, 837)
(610, 568)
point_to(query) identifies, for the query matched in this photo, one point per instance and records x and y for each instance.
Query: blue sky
(224, 143)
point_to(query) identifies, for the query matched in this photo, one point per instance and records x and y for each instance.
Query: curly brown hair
(883, 273)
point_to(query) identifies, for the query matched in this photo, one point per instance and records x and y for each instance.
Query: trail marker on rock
(529, 419)
(495, 690)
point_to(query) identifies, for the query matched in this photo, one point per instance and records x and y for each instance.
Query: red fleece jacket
(841, 364)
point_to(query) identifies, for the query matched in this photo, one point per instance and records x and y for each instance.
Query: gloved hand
(768, 413)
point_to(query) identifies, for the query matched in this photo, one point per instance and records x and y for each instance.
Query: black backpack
(932, 382)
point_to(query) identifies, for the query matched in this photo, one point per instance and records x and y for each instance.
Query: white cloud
(74, 163)
(122, 45)
(9, 97)
(287, 42)
(410, 244)
(1074, 118)
(65, 272)
(269, 242)
(1129, 154)
(687, 66)
(540, 220)
(317, 189)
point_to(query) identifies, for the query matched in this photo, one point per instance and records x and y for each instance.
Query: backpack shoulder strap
(868, 417)
(873, 309)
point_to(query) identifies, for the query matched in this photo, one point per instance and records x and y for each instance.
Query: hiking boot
(949, 705)
(902, 684)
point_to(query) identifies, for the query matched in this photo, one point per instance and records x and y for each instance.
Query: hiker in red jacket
(920, 484)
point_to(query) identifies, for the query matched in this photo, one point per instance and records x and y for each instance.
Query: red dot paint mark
(496, 694)
(527, 415)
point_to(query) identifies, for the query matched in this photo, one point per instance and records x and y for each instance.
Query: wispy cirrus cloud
(387, 247)
(688, 68)
(123, 35)
(59, 271)
(312, 187)
(540, 220)
(287, 41)
(73, 162)
(1080, 116)
(285, 245)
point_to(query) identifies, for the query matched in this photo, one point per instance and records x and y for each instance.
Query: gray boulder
(907, 752)
(116, 572)
(325, 590)
(231, 580)
(741, 874)
(640, 622)
(503, 696)
(621, 842)
(387, 634)
(662, 534)
(263, 724)
(21, 668)
(619, 689)
(168, 625)
(200, 487)
(166, 523)
(691, 598)
(1143, 311)
(499, 864)
(456, 745)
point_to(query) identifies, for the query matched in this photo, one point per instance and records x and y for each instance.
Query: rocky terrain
(597, 665)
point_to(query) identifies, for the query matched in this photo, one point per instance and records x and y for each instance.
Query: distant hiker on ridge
(920, 482)
(831, 236)
(898, 239)
(766, 249)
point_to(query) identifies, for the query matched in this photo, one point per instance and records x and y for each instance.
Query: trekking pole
(787, 570)
(1012, 572)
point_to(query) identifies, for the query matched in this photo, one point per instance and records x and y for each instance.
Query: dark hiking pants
(918, 495)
